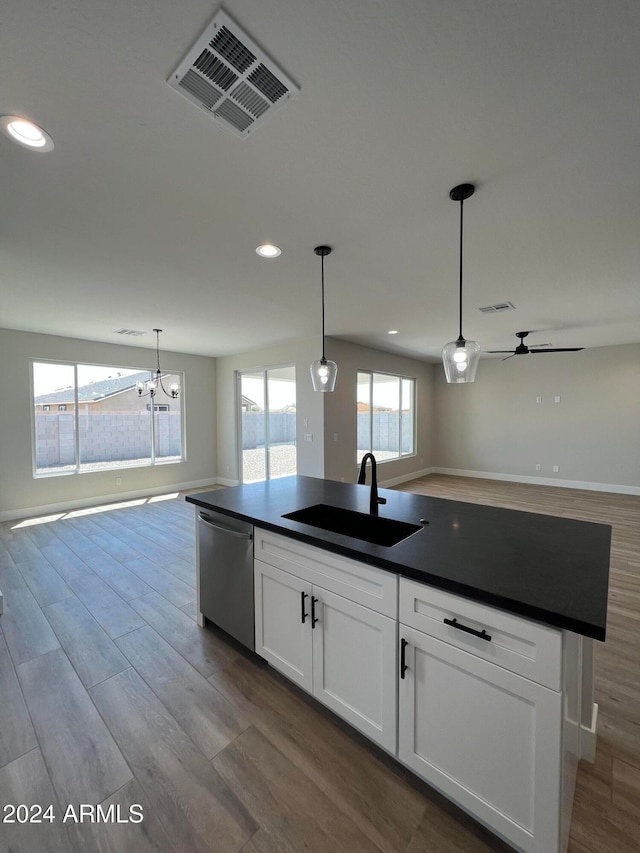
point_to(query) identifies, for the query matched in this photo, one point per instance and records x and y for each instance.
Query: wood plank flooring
(111, 694)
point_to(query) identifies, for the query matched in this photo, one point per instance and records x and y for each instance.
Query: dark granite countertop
(553, 570)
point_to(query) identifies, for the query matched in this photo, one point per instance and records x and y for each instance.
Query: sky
(54, 377)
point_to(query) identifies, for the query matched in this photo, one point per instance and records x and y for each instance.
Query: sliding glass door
(267, 423)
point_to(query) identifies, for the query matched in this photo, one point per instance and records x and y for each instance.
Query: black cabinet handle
(303, 595)
(455, 624)
(314, 618)
(403, 664)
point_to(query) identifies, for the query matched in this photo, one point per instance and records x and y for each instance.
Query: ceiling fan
(523, 349)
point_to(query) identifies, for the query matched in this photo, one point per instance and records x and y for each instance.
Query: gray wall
(282, 429)
(340, 416)
(104, 437)
(496, 426)
(20, 491)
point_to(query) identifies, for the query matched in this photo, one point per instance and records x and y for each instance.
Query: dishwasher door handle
(237, 533)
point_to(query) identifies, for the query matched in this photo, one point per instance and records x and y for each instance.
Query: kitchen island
(464, 650)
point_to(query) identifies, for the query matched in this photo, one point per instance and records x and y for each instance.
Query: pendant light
(460, 358)
(323, 372)
(151, 388)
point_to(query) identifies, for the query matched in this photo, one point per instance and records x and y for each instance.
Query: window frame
(117, 466)
(412, 413)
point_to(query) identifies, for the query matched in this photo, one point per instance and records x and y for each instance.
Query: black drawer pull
(403, 664)
(455, 624)
(314, 618)
(303, 595)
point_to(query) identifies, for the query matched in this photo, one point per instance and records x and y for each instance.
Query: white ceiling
(147, 213)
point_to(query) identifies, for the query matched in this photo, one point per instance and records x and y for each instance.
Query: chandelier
(150, 388)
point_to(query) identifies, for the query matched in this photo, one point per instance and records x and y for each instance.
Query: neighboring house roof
(251, 404)
(96, 390)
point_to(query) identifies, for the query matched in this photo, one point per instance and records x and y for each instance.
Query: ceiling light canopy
(460, 357)
(268, 250)
(26, 133)
(323, 372)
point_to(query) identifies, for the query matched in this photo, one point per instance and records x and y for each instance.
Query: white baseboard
(589, 737)
(225, 481)
(541, 481)
(97, 500)
(414, 475)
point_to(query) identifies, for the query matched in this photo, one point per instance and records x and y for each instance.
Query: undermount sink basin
(357, 525)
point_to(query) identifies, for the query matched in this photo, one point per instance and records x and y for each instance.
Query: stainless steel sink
(357, 525)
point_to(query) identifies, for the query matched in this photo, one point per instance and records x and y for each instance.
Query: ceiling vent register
(227, 75)
(499, 306)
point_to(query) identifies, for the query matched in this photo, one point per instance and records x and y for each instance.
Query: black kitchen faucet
(374, 500)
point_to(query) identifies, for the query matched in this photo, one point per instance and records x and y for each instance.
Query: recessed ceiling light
(26, 133)
(392, 332)
(268, 250)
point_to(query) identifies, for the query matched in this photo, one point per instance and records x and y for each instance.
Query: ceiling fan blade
(501, 351)
(508, 357)
(557, 349)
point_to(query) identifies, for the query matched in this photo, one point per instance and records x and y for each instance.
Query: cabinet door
(354, 665)
(283, 623)
(488, 739)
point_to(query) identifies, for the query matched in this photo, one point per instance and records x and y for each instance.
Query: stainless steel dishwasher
(225, 574)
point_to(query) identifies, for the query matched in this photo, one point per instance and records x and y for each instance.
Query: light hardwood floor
(111, 694)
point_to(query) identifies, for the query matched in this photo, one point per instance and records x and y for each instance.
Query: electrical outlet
(538, 399)
(308, 436)
(538, 466)
(118, 481)
(556, 399)
(556, 468)
(335, 436)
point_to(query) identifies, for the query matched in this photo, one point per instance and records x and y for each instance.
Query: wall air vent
(134, 332)
(227, 75)
(499, 306)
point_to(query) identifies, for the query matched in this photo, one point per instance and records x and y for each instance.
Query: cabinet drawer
(367, 585)
(517, 644)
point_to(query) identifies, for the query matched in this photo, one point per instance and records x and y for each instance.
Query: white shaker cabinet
(283, 620)
(472, 725)
(327, 641)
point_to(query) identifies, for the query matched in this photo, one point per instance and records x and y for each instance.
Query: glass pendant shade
(460, 359)
(323, 374)
(323, 371)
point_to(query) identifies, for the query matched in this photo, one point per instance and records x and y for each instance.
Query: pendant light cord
(322, 259)
(460, 302)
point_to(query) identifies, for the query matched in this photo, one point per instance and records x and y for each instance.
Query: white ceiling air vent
(499, 306)
(134, 332)
(227, 75)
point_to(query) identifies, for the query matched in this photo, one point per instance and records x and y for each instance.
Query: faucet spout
(374, 500)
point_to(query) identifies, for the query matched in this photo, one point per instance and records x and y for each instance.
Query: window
(98, 421)
(267, 422)
(386, 415)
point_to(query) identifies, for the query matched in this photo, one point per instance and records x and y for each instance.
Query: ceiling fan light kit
(460, 357)
(323, 371)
